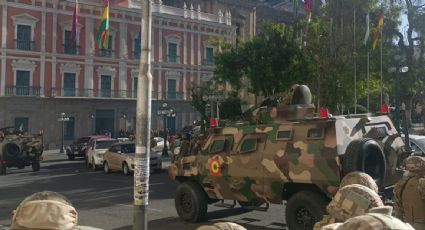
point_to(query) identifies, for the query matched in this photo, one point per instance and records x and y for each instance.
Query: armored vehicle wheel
(106, 167)
(365, 155)
(35, 166)
(304, 209)
(191, 202)
(125, 169)
(2, 168)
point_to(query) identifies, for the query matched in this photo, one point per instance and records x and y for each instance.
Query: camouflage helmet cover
(359, 178)
(415, 164)
(353, 200)
(372, 221)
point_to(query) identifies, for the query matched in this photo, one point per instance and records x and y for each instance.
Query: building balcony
(67, 49)
(24, 45)
(106, 53)
(23, 91)
(113, 94)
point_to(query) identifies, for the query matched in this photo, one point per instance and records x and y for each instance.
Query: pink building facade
(39, 66)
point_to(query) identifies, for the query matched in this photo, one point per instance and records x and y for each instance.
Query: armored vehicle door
(215, 166)
(246, 173)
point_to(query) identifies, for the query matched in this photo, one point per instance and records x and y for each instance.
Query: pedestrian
(409, 193)
(222, 226)
(350, 201)
(375, 218)
(46, 210)
(359, 178)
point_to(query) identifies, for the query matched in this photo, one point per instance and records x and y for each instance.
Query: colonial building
(42, 76)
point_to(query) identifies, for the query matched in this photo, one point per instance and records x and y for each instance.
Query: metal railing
(173, 59)
(24, 44)
(116, 94)
(23, 90)
(106, 52)
(67, 49)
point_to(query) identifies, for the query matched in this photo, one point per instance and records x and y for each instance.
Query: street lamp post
(62, 119)
(165, 111)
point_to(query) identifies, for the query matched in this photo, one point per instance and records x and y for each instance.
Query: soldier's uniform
(46, 210)
(367, 190)
(374, 219)
(409, 193)
(222, 226)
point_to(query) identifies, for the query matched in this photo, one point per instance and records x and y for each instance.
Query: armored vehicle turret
(283, 152)
(19, 150)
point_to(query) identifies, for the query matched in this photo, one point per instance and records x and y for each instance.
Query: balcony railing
(106, 52)
(24, 45)
(67, 49)
(208, 61)
(173, 59)
(116, 94)
(23, 90)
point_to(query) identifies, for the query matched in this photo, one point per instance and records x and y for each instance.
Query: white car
(96, 151)
(417, 143)
(160, 144)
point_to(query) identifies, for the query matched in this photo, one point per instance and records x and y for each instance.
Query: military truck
(19, 150)
(284, 154)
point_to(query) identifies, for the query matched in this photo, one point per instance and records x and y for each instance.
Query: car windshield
(83, 140)
(104, 144)
(420, 143)
(128, 148)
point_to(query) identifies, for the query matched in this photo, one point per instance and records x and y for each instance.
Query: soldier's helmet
(372, 221)
(415, 164)
(222, 226)
(46, 210)
(359, 178)
(353, 200)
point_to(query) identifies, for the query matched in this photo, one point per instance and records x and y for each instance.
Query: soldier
(349, 179)
(379, 218)
(350, 200)
(409, 193)
(222, 226)
(46, 210)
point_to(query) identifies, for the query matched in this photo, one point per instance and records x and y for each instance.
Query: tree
(272, 61)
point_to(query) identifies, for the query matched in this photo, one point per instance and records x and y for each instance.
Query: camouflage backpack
(353, 200)
(359, 178)
(415, 164)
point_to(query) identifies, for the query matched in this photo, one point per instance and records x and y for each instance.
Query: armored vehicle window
(284, 135)
(217, 146)
(249, 145)
(316, 133)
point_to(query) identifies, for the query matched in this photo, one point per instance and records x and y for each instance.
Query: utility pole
(143, 124)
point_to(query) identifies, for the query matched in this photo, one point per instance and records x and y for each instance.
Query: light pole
(165, 111)
(62, 119)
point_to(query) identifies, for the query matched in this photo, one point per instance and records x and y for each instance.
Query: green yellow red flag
(103, 31)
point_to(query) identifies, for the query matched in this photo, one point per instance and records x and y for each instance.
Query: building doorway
(105, 121)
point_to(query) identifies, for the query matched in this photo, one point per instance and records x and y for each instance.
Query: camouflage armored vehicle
(19, 150)
(284, 153)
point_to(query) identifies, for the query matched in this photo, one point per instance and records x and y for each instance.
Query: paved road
(105, 200)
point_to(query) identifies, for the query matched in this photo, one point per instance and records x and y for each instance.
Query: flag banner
(73, 40)
(366, 36)
(379, 26)
(103, 31)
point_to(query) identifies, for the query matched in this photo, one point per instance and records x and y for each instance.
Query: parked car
(159, 144)
(417, 143)
(96, 151)
(120, 157)
(78, 148)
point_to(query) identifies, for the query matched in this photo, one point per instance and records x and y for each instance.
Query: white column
(199, 50)
(160, 43)
(122, 80)
(54, 73)
(3, 45)
(184, 85)
(123, 41)
(159, 83)
(43, 48)
(185, 48)
(88, 74)
(54, 38)
(89, 37)
(192, 51)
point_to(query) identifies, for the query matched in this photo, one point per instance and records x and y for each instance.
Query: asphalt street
(105, 200)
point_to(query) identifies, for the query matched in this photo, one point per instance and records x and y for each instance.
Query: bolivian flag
(103, 31)
(378, 32)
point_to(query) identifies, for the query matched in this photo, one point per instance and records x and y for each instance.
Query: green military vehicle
(284, 153)
(19, 150)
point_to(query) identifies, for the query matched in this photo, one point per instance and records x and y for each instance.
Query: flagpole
(368, 91)
(382, 82)
(355, 63)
